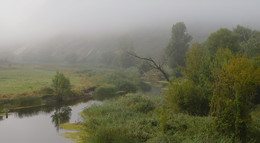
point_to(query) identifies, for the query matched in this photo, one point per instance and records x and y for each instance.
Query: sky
(29, 20)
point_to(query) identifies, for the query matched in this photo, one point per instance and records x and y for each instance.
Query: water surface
(40, 124)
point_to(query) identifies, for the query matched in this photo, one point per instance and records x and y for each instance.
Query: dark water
(40, 124)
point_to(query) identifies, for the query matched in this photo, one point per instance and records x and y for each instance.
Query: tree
(223, 38)
(249, 41)
(244, 33)
(193, 60)
(185, 96)
(198, 68)
(178, 45)
(234, 88)
(61, 85)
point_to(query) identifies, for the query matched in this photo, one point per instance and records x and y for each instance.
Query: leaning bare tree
(156, 65)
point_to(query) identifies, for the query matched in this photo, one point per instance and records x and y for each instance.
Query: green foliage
(105, 92)
(244, 33)
(254, 131)
(252, 46)
(194, 60)
(178, 45)
(122, 120)
(123, 83)
(185, 96)
(235, 87)
(223, 38)
(138, 103)
(163, 118)
(249, 41)
(221, 58)
(61, 85)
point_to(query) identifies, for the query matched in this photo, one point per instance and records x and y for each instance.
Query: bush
(104, 92)
(123, 120)
(126, 86)
(122, 82)
(138, 103)
(184, 96)
(235, 87)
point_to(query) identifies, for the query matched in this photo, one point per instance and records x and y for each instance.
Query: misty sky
(35, 19)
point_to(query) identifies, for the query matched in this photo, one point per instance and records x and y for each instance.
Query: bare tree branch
(158, 66)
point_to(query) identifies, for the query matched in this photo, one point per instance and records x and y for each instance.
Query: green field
(19, 79)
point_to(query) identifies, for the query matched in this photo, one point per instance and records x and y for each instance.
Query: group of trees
(220, 77)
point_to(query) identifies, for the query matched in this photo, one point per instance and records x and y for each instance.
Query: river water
(40, 124)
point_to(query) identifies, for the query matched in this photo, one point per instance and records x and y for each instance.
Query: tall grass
(137, 119)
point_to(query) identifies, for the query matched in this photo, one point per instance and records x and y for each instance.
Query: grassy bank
(135, 118)
(18, 79)
(24, 86)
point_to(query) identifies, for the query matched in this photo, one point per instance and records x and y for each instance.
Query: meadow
(17, 79)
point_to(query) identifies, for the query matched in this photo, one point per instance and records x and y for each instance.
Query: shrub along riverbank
(139, 118)
(41, 97)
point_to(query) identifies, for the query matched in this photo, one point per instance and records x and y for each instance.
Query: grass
(135, 118)
(78, 136)
(19, 79)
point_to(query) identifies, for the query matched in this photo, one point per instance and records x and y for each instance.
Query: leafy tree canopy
(223, 38)
(178, 45)
(61, 85)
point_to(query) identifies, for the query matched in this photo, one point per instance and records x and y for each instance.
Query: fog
(30, 23)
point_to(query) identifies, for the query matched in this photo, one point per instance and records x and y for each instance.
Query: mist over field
(33, 30)
(156, 71)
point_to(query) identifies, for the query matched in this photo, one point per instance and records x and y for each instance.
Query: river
(40, 124)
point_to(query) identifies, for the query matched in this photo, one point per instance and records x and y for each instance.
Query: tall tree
(223, 38)
(178, 45)
(249, 41)
(244, 33)
(234, 88)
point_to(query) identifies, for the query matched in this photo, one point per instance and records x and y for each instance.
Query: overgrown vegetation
(211, 101)
(212, 94)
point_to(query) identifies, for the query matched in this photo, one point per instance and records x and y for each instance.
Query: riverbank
(140, 118)
(47, 97)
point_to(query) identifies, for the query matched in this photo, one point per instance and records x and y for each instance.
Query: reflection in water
(29, 112)
(61, 116)
(40, 124)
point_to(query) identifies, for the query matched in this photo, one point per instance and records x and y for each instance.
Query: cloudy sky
(39, 19)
